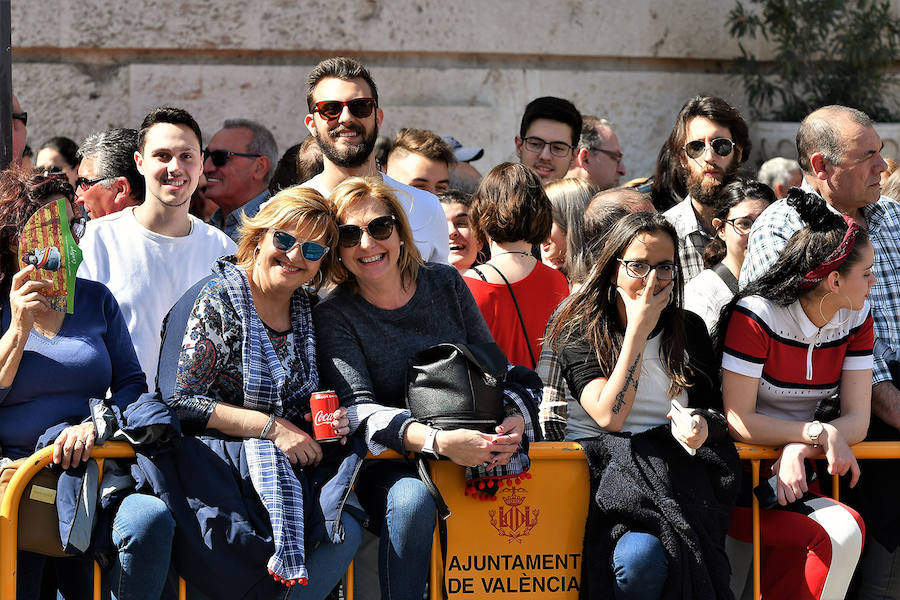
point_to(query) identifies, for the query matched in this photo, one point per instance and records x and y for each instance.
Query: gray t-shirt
(363, 350)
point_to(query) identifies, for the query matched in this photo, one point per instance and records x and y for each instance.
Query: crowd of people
(654, 321)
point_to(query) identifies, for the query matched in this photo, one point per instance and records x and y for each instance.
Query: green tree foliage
(826, 52)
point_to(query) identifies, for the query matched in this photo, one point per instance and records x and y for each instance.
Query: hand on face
(26, 300)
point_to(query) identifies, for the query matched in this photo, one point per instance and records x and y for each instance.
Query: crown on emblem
(514, 499)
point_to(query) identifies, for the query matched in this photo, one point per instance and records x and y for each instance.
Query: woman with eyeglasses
(516, 292)
(389, 305)
(246, 371)
(795, 337)
(52, 364)
(740, 203)
(627, 350)
(58, 155)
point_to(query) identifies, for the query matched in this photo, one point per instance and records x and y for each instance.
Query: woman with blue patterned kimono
(247, 369)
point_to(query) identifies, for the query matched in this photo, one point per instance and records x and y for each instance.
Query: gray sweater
(363, 350)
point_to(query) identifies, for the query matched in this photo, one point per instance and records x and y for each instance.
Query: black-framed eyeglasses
(379, 228)
(536, 145)
(721, 146)
(638, 269)
(84, 184)
(616, 156)
(742, 225)
(220, 157)
(360, 108)
(285, 242)
(21, 116)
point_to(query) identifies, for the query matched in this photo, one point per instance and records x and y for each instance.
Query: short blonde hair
(292, 208)
(353, 192)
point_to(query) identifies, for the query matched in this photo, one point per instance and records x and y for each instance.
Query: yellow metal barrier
(537, 526)
(9, 514)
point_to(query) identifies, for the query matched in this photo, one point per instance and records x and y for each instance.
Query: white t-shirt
(426, 217)
(706, 294)
(148, 272)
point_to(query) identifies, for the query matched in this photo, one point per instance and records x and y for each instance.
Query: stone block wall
(465, 68)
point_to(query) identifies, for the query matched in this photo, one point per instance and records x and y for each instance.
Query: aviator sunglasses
(332, 109)
(379, 228)
(285, 242)
(696, 148)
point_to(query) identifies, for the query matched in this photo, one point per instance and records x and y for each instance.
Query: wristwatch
(813, 431)
(428, 446)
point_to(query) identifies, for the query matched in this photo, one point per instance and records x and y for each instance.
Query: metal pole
(5, 84)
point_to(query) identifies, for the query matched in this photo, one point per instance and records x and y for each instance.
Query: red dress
(538, 295)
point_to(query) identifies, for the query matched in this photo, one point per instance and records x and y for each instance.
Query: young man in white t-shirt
(149, 255)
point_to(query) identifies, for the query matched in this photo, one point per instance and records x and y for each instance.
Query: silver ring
(486, 464)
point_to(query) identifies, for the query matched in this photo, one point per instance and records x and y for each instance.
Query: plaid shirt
(780, 221)
(692, 238)
(554, 407)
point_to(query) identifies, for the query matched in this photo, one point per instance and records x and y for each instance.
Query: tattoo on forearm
(629, 381)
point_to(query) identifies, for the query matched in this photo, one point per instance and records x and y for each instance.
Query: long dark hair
(735, 192)
(21, 195)
(807, 248)
(591, 312)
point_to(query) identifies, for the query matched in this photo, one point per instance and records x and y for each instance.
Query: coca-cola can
(322, 406)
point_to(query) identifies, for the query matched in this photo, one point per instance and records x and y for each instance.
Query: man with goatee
(344, 118)
(709, 140)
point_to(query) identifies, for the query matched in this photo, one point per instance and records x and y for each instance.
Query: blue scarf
(264, 376)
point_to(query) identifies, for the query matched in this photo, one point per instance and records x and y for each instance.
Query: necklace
(511, 252)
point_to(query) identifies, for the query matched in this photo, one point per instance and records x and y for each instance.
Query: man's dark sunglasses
(696, 148)
(379, 228)
(220, 157)
(332, 109)
(85, 184)
(285, 242)
(22, 116)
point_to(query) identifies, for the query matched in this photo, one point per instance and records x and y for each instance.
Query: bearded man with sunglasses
(709, 141)
(344, 118)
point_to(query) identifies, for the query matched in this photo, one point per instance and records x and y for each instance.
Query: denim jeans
(639, 567)
(328, 562)
(142, 533)
(403, 513)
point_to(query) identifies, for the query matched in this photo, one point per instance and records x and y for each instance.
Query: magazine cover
(47, 243)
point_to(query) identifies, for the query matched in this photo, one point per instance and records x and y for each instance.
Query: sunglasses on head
(285, 242)
(379, 228)
(220, 157)
(696, 148)
(332, 109)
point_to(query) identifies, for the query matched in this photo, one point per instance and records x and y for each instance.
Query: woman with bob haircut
(247, 369)
(569, 198)
(389, 305)
(515, 292)
(794, 337)
(53, 363)
(625, 354)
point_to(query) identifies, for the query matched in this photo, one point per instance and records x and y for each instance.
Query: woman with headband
(798, 335)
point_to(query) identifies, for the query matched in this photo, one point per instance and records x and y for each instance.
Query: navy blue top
(92, 352)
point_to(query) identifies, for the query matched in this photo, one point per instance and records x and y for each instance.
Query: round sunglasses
(379, 228)
(360, 108)
(285, 242)
(721, 146)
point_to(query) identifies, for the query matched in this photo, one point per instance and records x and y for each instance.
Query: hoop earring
(611, 294)
(845, 321)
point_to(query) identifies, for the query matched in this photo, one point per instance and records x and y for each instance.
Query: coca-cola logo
(323, 418)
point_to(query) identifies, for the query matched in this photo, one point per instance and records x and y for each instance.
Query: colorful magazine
(47, 243)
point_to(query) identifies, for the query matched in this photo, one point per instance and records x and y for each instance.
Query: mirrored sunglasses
(379, 228)
(285, 242)
(332, 109)
(696, 148)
